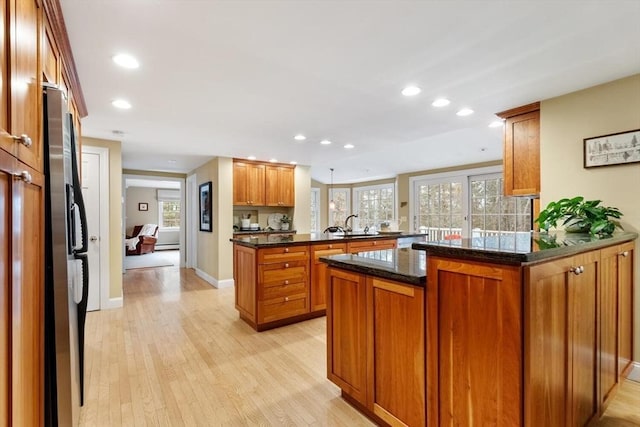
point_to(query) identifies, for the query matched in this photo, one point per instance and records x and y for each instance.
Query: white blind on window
(168, 194)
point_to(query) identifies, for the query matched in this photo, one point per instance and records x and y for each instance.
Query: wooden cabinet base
(363, 409)
(282, 322)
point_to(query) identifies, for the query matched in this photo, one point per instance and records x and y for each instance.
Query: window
(454, 205)
(315, 209)
(374, 204)
(169, 209)
(342, 199)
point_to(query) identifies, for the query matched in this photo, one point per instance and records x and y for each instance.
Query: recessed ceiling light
(117, 132)
(293, 162)
(273, 160)
(299, 137)
(251, 157)
(349, 146)
(121, 103)
(325, 142)
(441, 102)
(411, 91)
(126, 61)
(496, 124)
(465, 112)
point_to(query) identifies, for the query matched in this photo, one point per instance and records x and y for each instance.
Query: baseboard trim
(634, 374)
(167, 247)
(218, 284)
(115, 303)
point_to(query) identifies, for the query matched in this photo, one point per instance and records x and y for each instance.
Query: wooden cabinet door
(396, 353)
(256, 183)
(608, 322)
(240, 183)
(521, 146)
(473, 309)
(244, 276)
(279, 188)
(7, 167)
(25, 81)
(318, 286)
(626, 255)
(346, 333)
(561, 341)
(371, 245)
(6, 142)
(22, 297)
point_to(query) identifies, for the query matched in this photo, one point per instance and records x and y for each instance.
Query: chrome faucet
(346, 222)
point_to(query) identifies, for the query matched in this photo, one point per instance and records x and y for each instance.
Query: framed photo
(143, 206)
(205, 207)
(614, 149)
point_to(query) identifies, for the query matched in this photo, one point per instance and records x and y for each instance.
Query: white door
(91, 176)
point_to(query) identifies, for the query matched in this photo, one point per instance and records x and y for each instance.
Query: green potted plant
(285, 222)
(580, 216)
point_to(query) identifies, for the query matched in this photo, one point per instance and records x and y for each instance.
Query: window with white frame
(374, 204)
(315, 209)
(169, 209)
(341, 198)
(467, 203)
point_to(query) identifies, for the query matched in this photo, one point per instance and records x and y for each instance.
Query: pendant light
(332, 204)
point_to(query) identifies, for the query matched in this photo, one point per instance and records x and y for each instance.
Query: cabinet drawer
(328, 247)
(371, 245)
(282, 308)
(287, 253)
(295, 271)
(266, 293)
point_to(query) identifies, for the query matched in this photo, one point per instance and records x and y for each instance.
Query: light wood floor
(177, 354)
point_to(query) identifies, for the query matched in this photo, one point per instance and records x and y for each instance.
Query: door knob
(93, 238)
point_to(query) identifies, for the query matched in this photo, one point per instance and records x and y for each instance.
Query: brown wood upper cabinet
(21, 82)
(522, 150)
(263, 184)
(280, 186)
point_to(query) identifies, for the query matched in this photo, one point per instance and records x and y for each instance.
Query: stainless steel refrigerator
(66, 267)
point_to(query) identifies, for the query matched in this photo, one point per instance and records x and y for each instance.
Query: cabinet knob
(375, 243)
(286, 299)
(625, 254)
(577, 270)
(286, 282)
(25, 176)
(330, 246)
(286, 250)
(23, 139)
(286, 265)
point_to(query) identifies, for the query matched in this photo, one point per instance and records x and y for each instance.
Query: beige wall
(302, 210)
(133, 216)
(564, 122)
(115, 211)
(215, 251)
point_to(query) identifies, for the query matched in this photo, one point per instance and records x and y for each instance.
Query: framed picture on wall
(143, 206)
(613, 149)
(205, 207)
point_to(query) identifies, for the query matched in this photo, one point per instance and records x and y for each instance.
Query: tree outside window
(169, 213)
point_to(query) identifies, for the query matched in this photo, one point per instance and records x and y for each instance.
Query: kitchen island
(280, 280)
(527, 328)
(523, 329)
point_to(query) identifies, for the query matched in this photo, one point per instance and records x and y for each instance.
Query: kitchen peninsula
(523, 329)
(279, 279)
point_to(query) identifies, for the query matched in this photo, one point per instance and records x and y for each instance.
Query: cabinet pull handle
(577, 270)
(625, 254)
(286, 265)
(23, 139)
(25, 176)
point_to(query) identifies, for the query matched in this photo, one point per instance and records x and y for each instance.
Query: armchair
(142, 240)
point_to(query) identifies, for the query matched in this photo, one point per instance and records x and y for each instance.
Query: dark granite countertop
(263, 231)
(400, 265)
(521, 248)
(305, 239)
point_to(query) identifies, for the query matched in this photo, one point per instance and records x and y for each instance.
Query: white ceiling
(240, 78)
